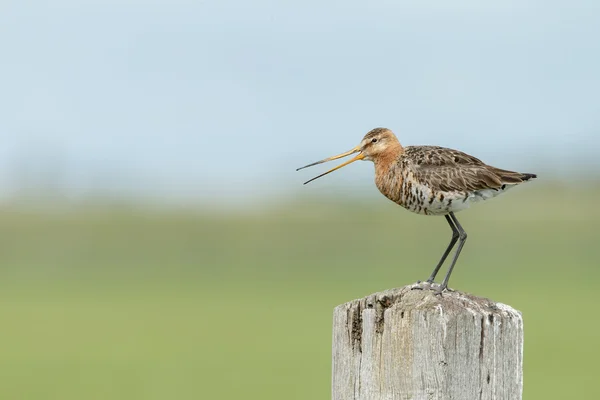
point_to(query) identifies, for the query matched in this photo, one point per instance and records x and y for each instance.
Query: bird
(430, 180)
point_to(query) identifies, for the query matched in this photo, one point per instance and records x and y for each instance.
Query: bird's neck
(388, 173)
(390, 157)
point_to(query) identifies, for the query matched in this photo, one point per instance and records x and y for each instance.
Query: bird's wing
(452, 170)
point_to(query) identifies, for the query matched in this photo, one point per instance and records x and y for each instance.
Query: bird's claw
(441, 289)
(420, 285)
(427, 285)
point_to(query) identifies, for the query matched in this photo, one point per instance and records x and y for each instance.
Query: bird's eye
(374, 140)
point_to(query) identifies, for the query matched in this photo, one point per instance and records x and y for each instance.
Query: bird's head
(376, 143)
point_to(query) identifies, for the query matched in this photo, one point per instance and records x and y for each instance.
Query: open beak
(359, 156)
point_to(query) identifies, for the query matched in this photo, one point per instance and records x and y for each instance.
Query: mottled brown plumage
(433, 180)
(430, 180)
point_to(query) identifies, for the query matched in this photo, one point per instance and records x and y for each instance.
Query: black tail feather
(526, 176)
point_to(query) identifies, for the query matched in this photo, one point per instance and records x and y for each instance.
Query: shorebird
(430, 180)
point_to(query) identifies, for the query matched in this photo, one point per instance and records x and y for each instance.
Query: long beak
(359, 156)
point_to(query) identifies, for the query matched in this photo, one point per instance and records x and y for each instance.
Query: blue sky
(223, 99)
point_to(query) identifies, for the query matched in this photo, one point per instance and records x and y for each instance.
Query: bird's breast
(389, 181)
(404, 189)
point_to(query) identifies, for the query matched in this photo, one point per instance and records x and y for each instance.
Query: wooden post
(412, 344)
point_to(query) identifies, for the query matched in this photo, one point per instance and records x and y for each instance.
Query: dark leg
(463, 238)
(455, 236)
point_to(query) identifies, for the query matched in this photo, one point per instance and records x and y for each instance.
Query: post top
(406, 343)
(412, 298)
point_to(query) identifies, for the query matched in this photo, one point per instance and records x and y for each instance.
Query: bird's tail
(511, 177)
(527, 176)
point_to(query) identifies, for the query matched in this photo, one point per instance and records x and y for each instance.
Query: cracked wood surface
(411, 344)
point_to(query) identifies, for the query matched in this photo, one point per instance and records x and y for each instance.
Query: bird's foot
(420, 285)
(441, 289)
(437, 288)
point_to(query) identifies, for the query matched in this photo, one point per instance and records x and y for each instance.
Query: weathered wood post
(413, 344)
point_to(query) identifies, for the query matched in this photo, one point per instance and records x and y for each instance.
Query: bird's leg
(455, 236)
(462, 235)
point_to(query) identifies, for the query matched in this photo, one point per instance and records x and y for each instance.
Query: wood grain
(411, 344)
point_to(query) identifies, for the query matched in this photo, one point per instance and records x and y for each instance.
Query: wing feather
(452, 170)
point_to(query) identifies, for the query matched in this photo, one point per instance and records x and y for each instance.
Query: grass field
(114, 304)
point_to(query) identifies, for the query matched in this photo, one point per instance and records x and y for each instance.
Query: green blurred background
(156, 241)
(121, 304)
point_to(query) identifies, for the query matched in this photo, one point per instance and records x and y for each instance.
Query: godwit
(430, 180)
